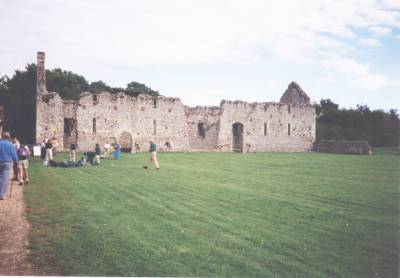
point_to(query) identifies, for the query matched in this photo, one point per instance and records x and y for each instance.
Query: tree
(66, 83)
(18, 95)
(377, 127)
(99, 86)
(135, 88)
(326, 106)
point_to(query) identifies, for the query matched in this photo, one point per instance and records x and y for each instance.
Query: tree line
(378, 127)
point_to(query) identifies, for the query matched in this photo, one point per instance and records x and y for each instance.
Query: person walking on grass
(153, 157)
(7, 153)
(23, 156)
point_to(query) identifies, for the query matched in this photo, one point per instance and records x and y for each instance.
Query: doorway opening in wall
(237, 135)
(125, 140)
(70, 133)
(201, 128)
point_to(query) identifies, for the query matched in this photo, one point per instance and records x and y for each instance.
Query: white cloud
(392, 4)
(346, 66)
(371, 81)
(187, 32)
(358, 74)
(370, 42)
(379, 30)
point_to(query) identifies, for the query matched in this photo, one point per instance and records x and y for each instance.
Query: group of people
(16, 154)
(94, 157)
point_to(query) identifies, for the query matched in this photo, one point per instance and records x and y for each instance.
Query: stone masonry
(287, 126)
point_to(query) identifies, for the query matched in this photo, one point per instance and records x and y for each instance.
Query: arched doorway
(237, 135)
(125, 140)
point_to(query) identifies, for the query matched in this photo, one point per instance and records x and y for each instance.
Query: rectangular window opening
(265, 129)
(94, 125)
(154, 127)
(95, 99)
(154, 102)
(288, 108)
(288, 129)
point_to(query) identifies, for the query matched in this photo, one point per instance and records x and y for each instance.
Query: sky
(205, 51)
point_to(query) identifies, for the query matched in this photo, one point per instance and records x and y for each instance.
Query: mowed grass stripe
(223, 214)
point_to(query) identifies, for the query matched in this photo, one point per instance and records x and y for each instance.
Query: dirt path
(14, 229)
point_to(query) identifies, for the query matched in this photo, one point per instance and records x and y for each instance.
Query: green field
(219, 214)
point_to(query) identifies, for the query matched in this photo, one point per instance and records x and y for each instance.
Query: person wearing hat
(7, 153)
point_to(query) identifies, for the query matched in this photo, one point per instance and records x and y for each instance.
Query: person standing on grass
(7, 153)
(55, 145)
(97, 151)
(153, 157)
(117, 151)
(43, 149)
(23, 156)
(49, 150)
(72, 152)
(107, 148)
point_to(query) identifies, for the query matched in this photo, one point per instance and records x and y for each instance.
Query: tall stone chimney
(41, 75)
(41, 112)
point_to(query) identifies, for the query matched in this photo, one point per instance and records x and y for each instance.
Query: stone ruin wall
(161, 119)
(343, 147)
(203, 126)
(170, 121)
(102, 121)
(274, 117)
(119, 117)
(50, 116)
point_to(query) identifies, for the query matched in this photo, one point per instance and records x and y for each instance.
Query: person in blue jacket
(117, 151)
(7, 153)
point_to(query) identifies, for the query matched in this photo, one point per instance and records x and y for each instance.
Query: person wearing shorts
(23, 165)
(153, 157)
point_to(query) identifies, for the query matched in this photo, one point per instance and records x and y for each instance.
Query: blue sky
(206, 51)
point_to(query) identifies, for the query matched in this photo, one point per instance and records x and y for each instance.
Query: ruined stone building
(232, 126)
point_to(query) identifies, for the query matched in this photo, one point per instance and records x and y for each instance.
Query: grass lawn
(219, 214)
